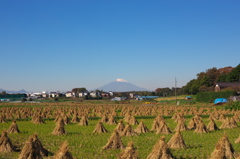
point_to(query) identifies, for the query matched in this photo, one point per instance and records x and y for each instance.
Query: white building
(53, 95)
(69, 94)
(83, 94)
(95, 94)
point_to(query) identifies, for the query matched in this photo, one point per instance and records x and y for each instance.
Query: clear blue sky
(56, 45)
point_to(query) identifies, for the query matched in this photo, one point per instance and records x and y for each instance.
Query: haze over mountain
(14, 92)
(120, 85)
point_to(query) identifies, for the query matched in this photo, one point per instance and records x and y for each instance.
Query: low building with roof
(222, 85)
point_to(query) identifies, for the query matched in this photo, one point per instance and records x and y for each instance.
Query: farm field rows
(83, 143)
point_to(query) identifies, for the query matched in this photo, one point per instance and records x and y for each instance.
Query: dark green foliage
(222, 78)
(3, 93)
(233, 106)
(192, 87)
(164, 91)
(205, 80)
(234, 75)
(78, 90)
(211, 96)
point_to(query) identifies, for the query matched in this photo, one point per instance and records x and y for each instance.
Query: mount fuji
(121, 85)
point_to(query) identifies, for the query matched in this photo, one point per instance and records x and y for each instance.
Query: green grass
(84, 143)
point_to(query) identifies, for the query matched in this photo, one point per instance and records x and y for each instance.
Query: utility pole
(176, 89)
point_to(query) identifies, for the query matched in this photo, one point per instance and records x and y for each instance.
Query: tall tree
(4, 93)
(222, 78)
(234, 75)
(78, 90)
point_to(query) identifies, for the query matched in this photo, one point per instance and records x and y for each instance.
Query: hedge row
(211, 96)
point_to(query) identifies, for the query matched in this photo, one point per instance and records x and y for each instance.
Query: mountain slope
(121, 85)
(14, 92)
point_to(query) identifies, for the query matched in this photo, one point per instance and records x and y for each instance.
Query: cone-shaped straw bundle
(114, 142)
(5, 143)
(192, 124)
(111, 120)
(218, 153)
(155, 125)
(233, 123)
(33, 149)
(83, 121)
(63, 152)
(236, 118)
(38, 120)
(175, 116)
(212, 125)
(65, 119)
(201, 127)
(141, 128)
(177, 141)
(39, 146)
(197, 117)
(181, 126)
(58, 116)
(128, 153)
(163, 128)
(221, 117)
(28, 151)
(100, 128)
(223, 149)
(159, 118)
(2, 118)
(104, 118)
(211, 117)
(127, 117)
(160, 150)
(13, 128)
(59, 129)
(228, 123)
(128, 131)
(75, 118)
(120, 127)
(133, 121)
(179, 117)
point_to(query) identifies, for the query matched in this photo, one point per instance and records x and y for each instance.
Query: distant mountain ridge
(120, 85)
(14, 92)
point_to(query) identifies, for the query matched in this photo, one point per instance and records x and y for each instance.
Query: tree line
(204, 82)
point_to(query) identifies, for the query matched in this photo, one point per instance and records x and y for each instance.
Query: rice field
(83, 143)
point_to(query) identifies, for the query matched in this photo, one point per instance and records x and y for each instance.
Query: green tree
(163, 91)
(234, 75)
(191, 87)
(4, 93)
(212, 75)
(78, 90)
(222, 78)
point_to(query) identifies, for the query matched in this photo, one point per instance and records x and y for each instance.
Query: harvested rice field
(103, 131)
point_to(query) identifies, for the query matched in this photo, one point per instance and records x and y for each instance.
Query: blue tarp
(220, 100)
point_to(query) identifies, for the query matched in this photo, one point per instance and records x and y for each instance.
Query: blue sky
(59, 45)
